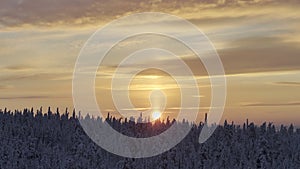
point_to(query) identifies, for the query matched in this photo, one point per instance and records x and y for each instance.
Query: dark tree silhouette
(40, 140)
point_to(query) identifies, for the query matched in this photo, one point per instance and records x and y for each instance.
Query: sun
(156, 115)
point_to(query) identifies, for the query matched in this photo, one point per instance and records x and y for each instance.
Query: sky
(258, 42)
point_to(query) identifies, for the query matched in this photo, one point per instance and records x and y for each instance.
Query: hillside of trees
(39, 140)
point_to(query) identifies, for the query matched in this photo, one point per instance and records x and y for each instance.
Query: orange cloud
(15, 13)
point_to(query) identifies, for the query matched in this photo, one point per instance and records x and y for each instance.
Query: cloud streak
(271, 104)
(287, 83)
(15, 13)
(3, 87)
(33, 97)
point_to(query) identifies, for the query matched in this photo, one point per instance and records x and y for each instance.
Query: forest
(40, 140)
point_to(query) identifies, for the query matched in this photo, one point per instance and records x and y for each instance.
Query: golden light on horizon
(156, 115)
(146, 92)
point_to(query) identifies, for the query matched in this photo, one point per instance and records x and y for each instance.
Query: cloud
(137, 109)
(287, 83)
(14, 13)
(256, 40)
(5, 87)
(48, 12)
(250, 54)
(32, 97)
(265, 53)
(270, 104)
(188, 108)
(36, 76)
(260, 54)
(17, 68)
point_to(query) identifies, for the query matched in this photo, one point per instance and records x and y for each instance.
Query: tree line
(49, 139)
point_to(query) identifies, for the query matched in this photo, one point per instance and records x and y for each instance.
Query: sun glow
(156, 115)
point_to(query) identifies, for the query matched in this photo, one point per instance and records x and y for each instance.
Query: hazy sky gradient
(258, 42)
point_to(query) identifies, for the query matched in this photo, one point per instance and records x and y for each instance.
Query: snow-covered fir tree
(49, 139)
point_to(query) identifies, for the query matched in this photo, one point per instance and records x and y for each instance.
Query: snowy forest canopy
(40, 140)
